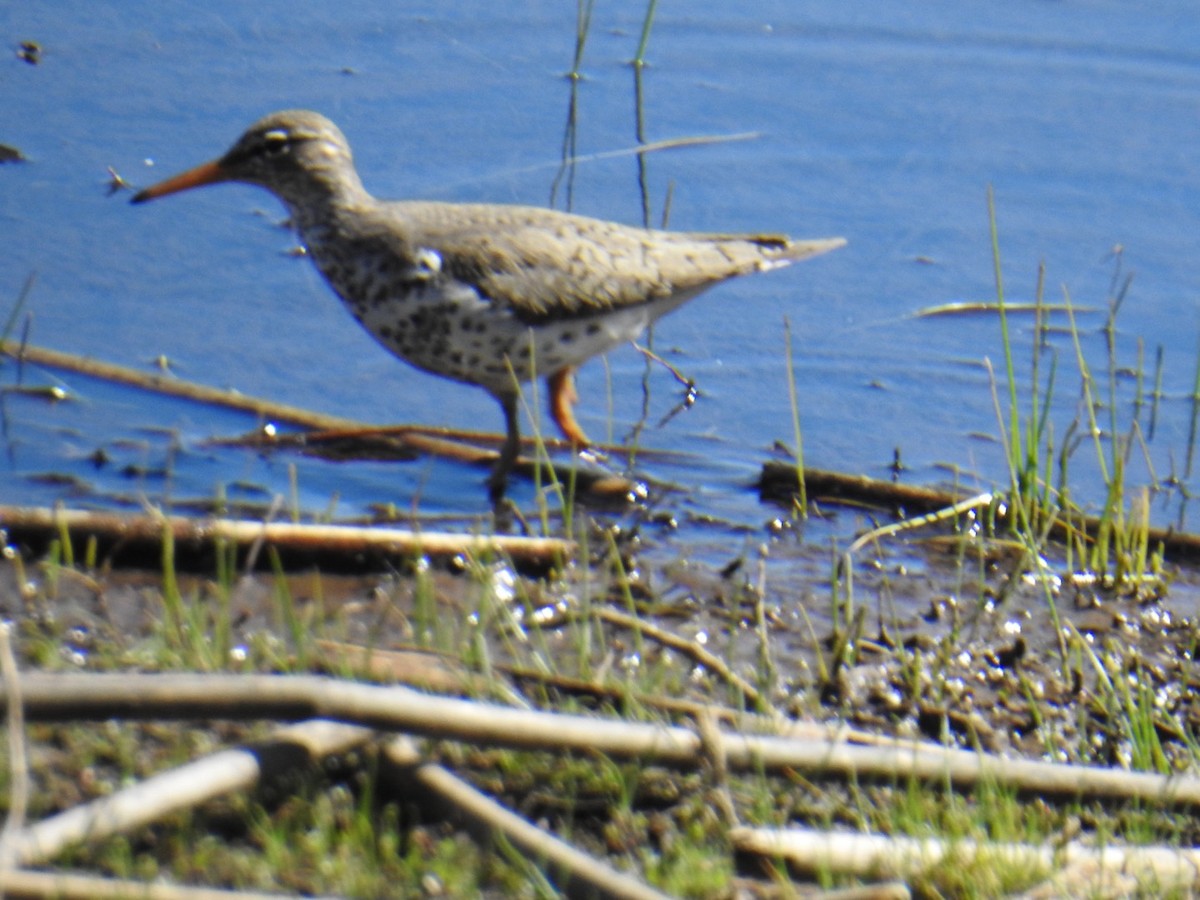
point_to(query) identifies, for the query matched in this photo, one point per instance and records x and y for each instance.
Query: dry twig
(213, 776)
(688, 648)
(27, 885)
(580, 875)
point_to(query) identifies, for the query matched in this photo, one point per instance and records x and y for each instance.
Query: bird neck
(318, 206)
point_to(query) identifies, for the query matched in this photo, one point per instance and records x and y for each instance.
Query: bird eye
(275, 143)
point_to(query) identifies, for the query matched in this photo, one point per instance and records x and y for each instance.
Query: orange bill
(209, 173)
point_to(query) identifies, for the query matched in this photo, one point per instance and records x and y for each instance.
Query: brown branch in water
(164, 384)
(95, 696)
(778, 482)
(410, 440)
(331, 546)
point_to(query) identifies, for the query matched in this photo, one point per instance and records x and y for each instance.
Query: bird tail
(762, 252)
(779, 250)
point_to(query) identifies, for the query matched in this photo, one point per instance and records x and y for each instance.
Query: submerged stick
(387, 442)
(991, 306)
(459, 445)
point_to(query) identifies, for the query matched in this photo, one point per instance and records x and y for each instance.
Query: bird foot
(497, 485)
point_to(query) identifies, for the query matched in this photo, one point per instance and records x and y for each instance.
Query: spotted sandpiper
(486, 294)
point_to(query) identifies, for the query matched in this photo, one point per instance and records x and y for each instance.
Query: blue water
(879, 122)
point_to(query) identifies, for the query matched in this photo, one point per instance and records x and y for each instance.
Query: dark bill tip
(209, 173)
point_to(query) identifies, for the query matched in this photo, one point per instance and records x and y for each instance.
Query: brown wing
(541, 262)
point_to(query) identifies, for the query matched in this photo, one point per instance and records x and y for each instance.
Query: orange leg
(562, 397)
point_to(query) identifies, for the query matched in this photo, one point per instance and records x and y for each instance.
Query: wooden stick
(580, 875)
(171, 386)
(614, 693)
(18, 758)
(332, 546)
(183, 788)
(186, 696)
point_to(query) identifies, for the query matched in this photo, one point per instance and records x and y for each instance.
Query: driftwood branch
(291, 749)
(331, 546)
(102, 696)
(865, 855)
(162, 383)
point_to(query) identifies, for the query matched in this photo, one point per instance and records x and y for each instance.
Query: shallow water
(883, 125)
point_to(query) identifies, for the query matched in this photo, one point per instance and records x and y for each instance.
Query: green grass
(340, 831)
(1115, 554)
(1118, 550)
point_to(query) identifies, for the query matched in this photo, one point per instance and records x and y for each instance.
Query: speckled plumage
(480, 293)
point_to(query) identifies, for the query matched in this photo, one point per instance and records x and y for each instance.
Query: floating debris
(163, 363)
(50, 392)
(30, 52)
(116, 182)
(989, 306)
(60, 479)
